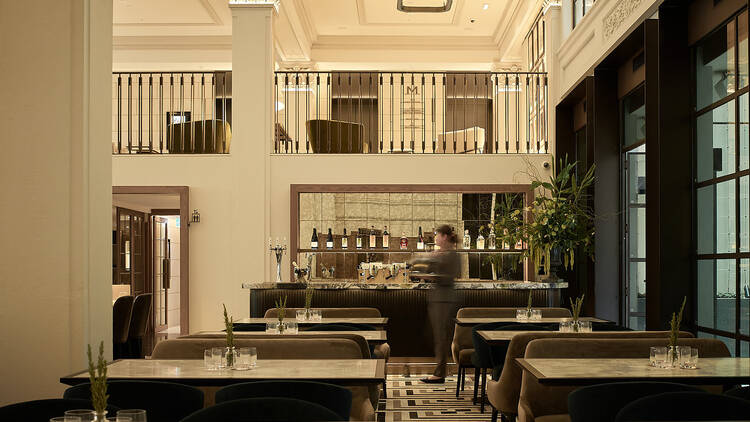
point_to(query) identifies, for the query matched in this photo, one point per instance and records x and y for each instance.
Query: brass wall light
(195, 217)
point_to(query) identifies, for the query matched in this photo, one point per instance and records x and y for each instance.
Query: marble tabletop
(355, 285)
(193, 372)
(496, 337)
(564, 371)
(474, 321)
(367, 321)
(377, 336)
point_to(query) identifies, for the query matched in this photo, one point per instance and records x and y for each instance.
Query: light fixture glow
(485, 6)
(279, 106)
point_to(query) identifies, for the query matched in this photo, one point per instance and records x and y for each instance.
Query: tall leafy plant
(674, 329)
(575, 307)
(98, 380)
(229, 327)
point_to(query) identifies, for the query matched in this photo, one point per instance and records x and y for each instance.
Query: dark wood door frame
(184, 212)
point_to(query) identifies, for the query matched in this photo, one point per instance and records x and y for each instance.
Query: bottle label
(359, 243)
(420, 245)
(386, 241)
(313, 245)
(344, 243)
(404, 243)
(372, 241)
(329, 245)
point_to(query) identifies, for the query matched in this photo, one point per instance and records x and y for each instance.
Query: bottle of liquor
(404, 243)
(420, 240)
(344, 241)
(467, 239)
(386, 238)
(314, 240)
(372, 237)
(491, 239)
(329, 239)
(359, 240)
(480, 241)
(434, 239)
(505, 242)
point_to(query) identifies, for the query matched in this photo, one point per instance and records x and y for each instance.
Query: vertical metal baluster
(317, 105)
(160, 119)
(214, 123)
(546, 116)
(401, 120)
(307, 104)
(474, 117)
(276, 132)
(488, 115)
(392, 112)
(130, 112)
(225, 118)
(182, 113)
(528, 118)
(538, 125)
(329, 104)
(360, 120)
(496, 111)
(518, 132)
(433, 135)
(424, 117)
(119, 113)
(506, 94)
(140, 113)
(170, 128)
(445, 109)
(296, 105)
(339, 114)
(203, 114)
(150, 113)
(381, 113)
(192, 113)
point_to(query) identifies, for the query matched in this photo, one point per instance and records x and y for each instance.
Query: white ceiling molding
(221, 42)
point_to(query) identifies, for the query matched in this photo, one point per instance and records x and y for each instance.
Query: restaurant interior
(416, 210)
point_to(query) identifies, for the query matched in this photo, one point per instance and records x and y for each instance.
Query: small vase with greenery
(575, 308)
(528, 307)
(308, 302)
(98, 381)
(674, 333)
(229, 326)
(281, 313)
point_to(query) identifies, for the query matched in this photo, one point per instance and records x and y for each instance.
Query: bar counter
(405, 304)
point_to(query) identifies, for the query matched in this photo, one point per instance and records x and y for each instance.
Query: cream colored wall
(55, 215)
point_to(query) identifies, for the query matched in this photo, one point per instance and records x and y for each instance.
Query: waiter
(441, 298)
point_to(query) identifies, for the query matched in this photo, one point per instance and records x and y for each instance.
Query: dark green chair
(44, 410)
(685, 406)
(270, 409)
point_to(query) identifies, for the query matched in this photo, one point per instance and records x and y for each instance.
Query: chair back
(332, 397)
(504, 394)
(201, 136)
(486, 356)
(264, 409)
(242, 326)
(139, 321)
(685, 406)
(601, 402)
(331, 312)
(341, 327)
(334, 136)
(540, 400)
(219, 340)
(122, 311)
(740, 392)
(148, 395)
(44, 410)
(462, 335)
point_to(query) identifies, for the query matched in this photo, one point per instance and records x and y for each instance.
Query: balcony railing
(410, 112)
(171, 112)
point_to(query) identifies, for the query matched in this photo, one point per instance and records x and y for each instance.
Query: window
(722, 185)
(535, 41)
(580, 8)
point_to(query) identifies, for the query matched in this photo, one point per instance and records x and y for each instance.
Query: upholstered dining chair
(44, 410)
(330, 396)
(685, 406)
(122, 311)
(138, 324)
(148, 395)
(264, 409)
(739, 392)
(602, 402)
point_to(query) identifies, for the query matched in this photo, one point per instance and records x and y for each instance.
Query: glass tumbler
(85, 415)
(584, 326)
(536, 314)
(120, 419)
(300, 315)
(521, 314)
(272, 327)
(242, 359)
(660, 356)
(316, 314)
(66, 419)
(135, 415)
(208, 360)
(566, 326)
(291, 327)
(217, 353)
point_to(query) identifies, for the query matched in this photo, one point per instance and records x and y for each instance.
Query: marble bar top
(563, 371)
(353, 285)
(193, 371)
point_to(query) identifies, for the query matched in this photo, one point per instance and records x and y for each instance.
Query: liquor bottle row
(375, 240)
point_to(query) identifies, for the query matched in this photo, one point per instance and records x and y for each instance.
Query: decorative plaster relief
(618, 14)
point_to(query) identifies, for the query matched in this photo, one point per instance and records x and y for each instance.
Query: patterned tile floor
(410, 400)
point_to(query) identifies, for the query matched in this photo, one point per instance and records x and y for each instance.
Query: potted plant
(674, 334)
(575, 309)
(98, 381)
(528, 307)
(281, 309)
(229, 326)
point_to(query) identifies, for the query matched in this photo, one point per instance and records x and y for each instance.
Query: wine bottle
(359, 240)
(344, 241)
(404, 243)
(314, 240)
(420, 240)
(467, 239)
(480, 241)
(492, 239)
(386, 238)
(372, 237)
(329, 239)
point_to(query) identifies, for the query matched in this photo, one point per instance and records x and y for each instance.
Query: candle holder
(279, 251)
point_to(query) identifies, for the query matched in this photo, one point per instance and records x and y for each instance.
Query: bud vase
(229, 354)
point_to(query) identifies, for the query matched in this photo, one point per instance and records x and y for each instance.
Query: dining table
(500, 337)
(586, 371)
(193, 371)
(470, 322)
(372, 337)
(375, 322)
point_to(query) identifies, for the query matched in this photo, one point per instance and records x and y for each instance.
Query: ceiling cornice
(401, 42)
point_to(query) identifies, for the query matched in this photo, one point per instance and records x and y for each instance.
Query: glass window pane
(716, 218)
(637, 232)
(715, 67)
(744, 132)
(637, 175)
(577, 11)
(637, 286)
(745, 296)
(717, 293)
(744, 217)
(742, 36)
(715, 142)
(634, 117)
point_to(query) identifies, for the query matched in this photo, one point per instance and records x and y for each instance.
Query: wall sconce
(195, 217)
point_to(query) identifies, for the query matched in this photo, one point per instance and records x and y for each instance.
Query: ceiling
(333, 33)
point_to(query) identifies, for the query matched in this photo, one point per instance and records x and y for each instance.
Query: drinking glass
(217, 353)
(300, 314)
(521, 314)
(135, 415)
(120, 419)
(566, 326)
(242, 359)
(693, 362)
(272, 327)
(291, 327)
(652, 356)
(316, 314)
(683, 356)
(660, 356)
(65, 419)
(85, 415)
(536, 314)
(584, 326)
(688, 357)
(208, 360)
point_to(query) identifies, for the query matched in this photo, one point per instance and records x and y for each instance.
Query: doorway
(151, 255)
